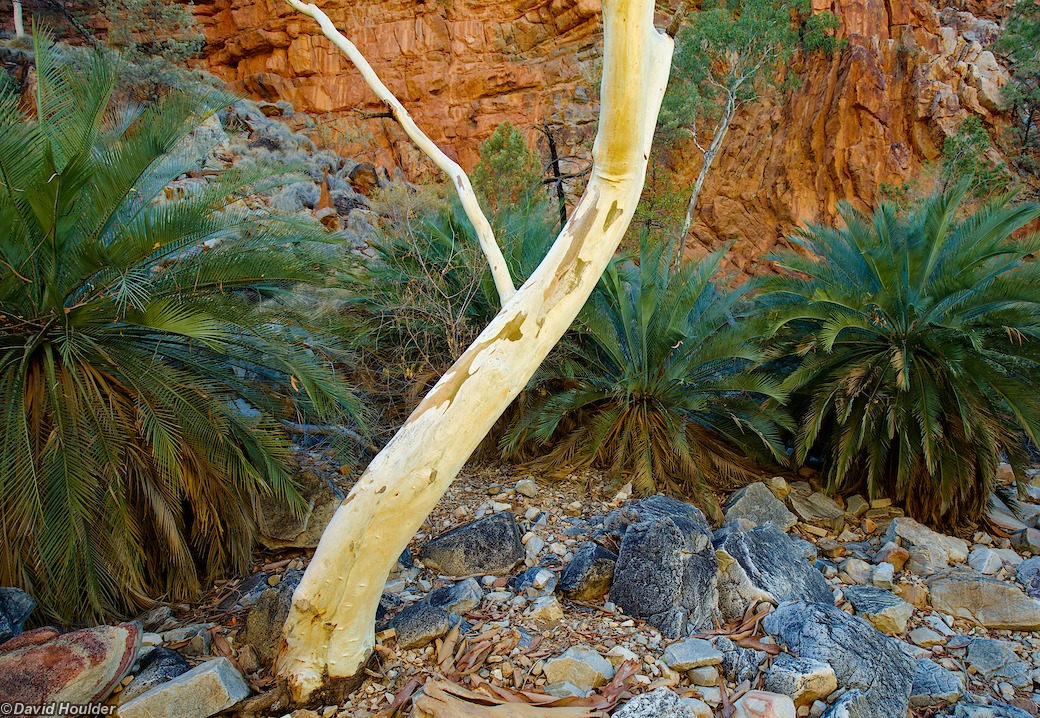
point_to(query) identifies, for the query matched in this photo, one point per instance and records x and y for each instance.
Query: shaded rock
(856, 506)
(537, 579)
(490, 545)
(654, 507)
(883, 609)
(985, 561)
(666, 568)
(966, 593)
(804, 680)
(934, 685)
(757, 503)
(462, 597)
(739, 664)
(589, 574)
(874, 668)
(15, 607)
(1027, 540)
(420, 624)
(265, 620)
(997, 661)
(660, 703)
(759, 704)
(1028, 573)
(929, 550)
(691, 653)
(580, 666)
(817, 509)
(205, 690)
(765, 564)
(77, 667)
(159, 666)
(281, 527)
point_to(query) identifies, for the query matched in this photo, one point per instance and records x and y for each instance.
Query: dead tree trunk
(328, 636)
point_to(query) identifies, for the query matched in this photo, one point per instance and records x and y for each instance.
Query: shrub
(145, 354)
(661, 384)
(918, 341)
(965, 155)
(509, 173)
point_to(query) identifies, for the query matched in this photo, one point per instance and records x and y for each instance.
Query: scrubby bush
(509, 173)
(661, 384)
(917, 340)
(146, 356)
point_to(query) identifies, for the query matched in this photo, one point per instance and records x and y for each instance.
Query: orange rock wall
(873, 115)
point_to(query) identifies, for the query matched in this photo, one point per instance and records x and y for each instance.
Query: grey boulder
(666, 570)
(420, 624)
(765, 564)
(589, 574)
(159, 666)
(966, 593)
(490, 545)
(878, 674)
(756, 503)
(462, 597)
(660, 703)
(882, 609)
(267, 617)
(203, 691)
(15, 607)
(934, 685)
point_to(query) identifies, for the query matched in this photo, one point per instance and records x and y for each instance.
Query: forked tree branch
(485, 235)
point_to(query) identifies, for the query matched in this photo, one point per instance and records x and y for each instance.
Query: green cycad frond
(132, 331)
(918, 338)
(661, 385)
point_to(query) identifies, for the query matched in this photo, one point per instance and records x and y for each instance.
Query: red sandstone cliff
(873, 115)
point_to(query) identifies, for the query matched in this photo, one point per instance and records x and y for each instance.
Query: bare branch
(486, 236)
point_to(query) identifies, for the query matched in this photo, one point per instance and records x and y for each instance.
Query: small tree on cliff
(328, 636)
(732, 53)
(1020, 47)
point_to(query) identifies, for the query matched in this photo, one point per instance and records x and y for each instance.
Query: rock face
(872, 115)
(990, 602)
(765, 564)
(666, 568)
(77, 667)
(874, 668)
(490, 545)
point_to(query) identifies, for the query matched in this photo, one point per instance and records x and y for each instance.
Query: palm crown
(134, 349)
(918, 337)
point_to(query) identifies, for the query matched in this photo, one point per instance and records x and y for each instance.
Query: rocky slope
(876, 114)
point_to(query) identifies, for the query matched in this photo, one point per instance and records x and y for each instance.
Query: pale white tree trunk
(709, 153)
(328, 636)
(19, 27)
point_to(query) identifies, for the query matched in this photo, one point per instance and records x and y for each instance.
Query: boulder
(490, 545)
(759, 704)
(282, 527)
(666, 567)
(15, 607)
(929, 550)
(659, 703)
(817, 509)
(874, 668)
(420, 624)
(985, 561)
(966, 593)
(934, 685)
(77, 667)
(691, 653)
(765, 564)
(997, 661)
(589, 574)
(1027, 540)
(757, 504)
(267, 617)
(804, 680)
(462, 597)
(580, 666)
(882, 609)
(205, 690)
(159, 666)
(1028, 573)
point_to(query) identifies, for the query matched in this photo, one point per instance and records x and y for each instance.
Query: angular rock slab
(205, 690)
(997, 661)
(871, 665)
(589, 574)
(581, 666)
(159, 666)
(934, 685)
(882, 609)
(765, 564)
(817, 509)
(666, 569)
(930, 551)
(77, 667)
(756, 503)
(420, 624)
(803, 680)
(990, 602)
(490, 545)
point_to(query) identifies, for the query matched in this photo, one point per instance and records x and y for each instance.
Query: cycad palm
(661, 385)
(919, 339)
(126, 336)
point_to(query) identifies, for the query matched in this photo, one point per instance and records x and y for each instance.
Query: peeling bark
(328, 636)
